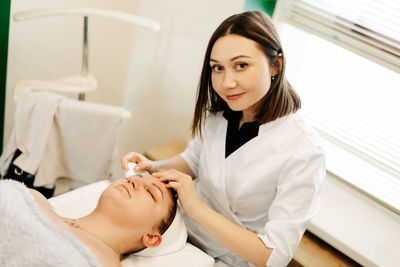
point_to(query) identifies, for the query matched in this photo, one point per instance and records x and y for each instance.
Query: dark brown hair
(281, 98)
(167, 221)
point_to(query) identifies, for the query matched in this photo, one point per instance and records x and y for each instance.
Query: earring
(273, 77)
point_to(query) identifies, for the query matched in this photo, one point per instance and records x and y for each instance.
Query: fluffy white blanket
(29, 238)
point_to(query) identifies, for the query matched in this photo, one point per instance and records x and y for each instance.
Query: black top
(236, 137)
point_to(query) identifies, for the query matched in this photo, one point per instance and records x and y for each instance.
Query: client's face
(139, 202)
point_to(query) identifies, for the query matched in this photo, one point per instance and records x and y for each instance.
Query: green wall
(4, 30)
(267, 6)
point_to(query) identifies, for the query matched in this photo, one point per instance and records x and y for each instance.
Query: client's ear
(151, 240)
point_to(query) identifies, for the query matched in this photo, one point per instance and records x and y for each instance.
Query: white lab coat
(271, 185)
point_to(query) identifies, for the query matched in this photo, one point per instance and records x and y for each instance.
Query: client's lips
(127, 190)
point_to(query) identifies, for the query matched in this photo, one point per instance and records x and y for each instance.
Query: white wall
(153, 74)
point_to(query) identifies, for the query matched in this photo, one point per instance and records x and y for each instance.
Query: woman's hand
(183, 185)
(143, 163)
(241, 241)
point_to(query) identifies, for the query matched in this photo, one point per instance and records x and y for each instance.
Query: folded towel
(72, 84)
(29, 238)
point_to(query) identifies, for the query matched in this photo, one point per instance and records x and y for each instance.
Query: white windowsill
(356, 225)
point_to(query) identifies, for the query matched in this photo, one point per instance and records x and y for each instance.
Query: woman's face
(137, 202)
(240, 73)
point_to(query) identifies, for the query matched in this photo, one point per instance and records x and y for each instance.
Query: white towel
(81, 143)
(29, 238)
(34, 117)
(61, 137)
(72, 84)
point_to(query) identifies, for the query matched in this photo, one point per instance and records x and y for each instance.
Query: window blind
(352, 102)
(368, 27)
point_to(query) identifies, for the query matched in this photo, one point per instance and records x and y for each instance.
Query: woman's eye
(216, 68)
(151, 194)
(241, 66)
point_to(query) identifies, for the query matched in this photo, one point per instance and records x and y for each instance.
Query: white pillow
(188, 256)
(79, 202)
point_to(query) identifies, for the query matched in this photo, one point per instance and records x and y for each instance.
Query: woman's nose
(137, 181)
(229, 81)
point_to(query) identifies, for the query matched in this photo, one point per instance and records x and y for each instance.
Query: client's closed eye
(151, 194)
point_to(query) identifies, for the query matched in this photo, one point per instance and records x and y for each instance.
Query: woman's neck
(246, 117)
(105, 230)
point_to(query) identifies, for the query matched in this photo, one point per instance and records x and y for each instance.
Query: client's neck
(107, 230)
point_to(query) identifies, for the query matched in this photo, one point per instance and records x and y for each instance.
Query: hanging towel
(81, 143)
(34, 116)
(62, 137)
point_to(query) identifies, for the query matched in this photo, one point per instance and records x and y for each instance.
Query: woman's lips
(234, 97)
(127, 190)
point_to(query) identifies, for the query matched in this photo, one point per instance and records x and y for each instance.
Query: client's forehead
(156, 182)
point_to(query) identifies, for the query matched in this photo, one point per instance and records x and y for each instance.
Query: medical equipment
(84, 82)
(131, 171)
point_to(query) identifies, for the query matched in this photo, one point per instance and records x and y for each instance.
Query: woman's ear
(152, 240)
(277, 64)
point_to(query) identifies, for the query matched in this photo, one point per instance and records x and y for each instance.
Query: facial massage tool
(131, 171)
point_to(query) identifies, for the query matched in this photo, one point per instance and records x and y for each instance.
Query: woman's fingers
(175, 185)
(167, 180)
(183, 185)
(143, 166)
(172, 177)
(124, 162)
(171, 174)
(130, 157)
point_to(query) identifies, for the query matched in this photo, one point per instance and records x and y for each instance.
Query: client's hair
(167, 221)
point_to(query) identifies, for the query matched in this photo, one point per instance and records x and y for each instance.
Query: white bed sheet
(81, 201)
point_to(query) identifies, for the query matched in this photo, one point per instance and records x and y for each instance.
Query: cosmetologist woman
(250, 180)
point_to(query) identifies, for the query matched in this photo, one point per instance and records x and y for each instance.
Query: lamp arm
(119, 15)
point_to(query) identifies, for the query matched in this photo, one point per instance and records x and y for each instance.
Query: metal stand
(85, 53)
(86, 12)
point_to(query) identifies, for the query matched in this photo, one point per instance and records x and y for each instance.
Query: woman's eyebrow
(162, 194)
(232, 59)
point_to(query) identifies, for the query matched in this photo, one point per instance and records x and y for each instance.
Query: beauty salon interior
(200, 133)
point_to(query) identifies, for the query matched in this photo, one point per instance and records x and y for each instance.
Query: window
(350, 86)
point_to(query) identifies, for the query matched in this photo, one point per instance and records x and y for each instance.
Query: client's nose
(137, 181)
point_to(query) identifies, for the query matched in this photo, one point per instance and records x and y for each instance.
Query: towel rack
(86, 12)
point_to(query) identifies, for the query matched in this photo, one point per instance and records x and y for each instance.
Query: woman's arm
(176, 162)
(144, 164)
(186, 162)
(244, 243)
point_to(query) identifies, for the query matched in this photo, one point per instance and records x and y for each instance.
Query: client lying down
(131, 215)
